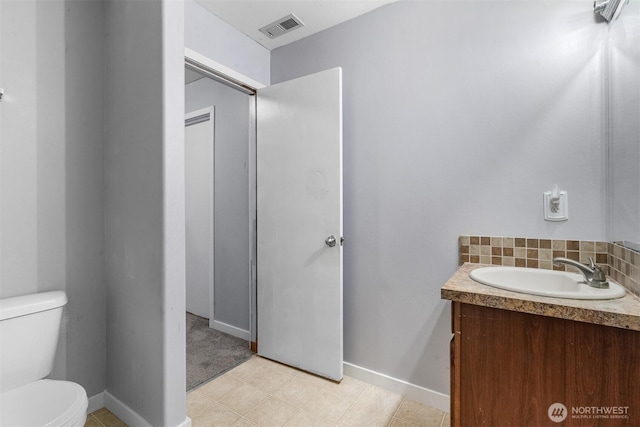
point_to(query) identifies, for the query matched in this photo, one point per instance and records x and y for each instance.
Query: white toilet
(29, 328)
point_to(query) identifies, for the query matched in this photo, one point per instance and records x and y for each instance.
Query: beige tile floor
(264, 393)
(103, 418)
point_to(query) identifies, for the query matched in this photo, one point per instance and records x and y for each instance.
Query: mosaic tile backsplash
(624, 267)
(623, 264)
(527, 252)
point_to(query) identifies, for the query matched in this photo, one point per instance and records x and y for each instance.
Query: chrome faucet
(594, 276)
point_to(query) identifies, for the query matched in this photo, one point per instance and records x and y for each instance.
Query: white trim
(253, 239)
(122, 411)
(204, 114)
(96, 402)
(415, 392)
(231, 330)
(129, 416)
(223, 69)
(201, 112)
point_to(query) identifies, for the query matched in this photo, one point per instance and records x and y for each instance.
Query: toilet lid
(42, 403)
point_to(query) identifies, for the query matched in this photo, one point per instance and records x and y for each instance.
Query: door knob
(330, 241)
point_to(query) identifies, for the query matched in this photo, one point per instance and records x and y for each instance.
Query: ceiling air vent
(282, 26)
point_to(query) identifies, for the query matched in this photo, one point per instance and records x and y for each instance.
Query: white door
(299, 223)
(198, 154)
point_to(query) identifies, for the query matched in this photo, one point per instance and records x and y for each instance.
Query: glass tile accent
(624, 267)
(622, 264)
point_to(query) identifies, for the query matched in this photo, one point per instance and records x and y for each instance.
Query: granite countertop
(620, 313)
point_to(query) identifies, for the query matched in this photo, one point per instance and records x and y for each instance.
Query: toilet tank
(29, 329)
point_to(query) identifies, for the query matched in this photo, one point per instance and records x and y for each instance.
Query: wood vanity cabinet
(508, 368)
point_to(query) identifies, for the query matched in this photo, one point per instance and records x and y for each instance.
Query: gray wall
(51, 154)
(231, 232)
(457, 116)
(624, 132)
(92, 141)
(144, 244)
(211, 36)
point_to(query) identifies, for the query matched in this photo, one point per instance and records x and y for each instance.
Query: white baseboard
(122, 411)
(231, 330)
(414, 392)
(96, 402)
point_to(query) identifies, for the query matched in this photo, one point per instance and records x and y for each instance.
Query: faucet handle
(599, 277)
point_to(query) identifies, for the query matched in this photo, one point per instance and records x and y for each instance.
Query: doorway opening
(298, 166)
(220, 215)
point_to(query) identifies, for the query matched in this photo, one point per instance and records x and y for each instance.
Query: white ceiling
(248, 16)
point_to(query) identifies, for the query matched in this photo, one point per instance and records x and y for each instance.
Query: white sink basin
(548, 283)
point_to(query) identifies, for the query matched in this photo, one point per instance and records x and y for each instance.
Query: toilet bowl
(44, 403)
(29, 329)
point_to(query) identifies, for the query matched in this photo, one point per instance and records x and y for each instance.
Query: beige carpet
(211, 353)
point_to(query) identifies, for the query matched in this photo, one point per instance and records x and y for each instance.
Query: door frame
(223, 74)
(220, 72)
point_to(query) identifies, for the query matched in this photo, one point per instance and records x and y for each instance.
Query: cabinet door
(604, 373)
(512, 367)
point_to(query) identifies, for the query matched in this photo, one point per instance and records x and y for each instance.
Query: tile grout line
(269, 394)
(395, 413)
(242, 417)
(294, 415)
(206, 397)
(352, 405)
(217, 402)
(97, 420)
(288, 403)
(299, 407)
(320, 416)
(398, 408)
